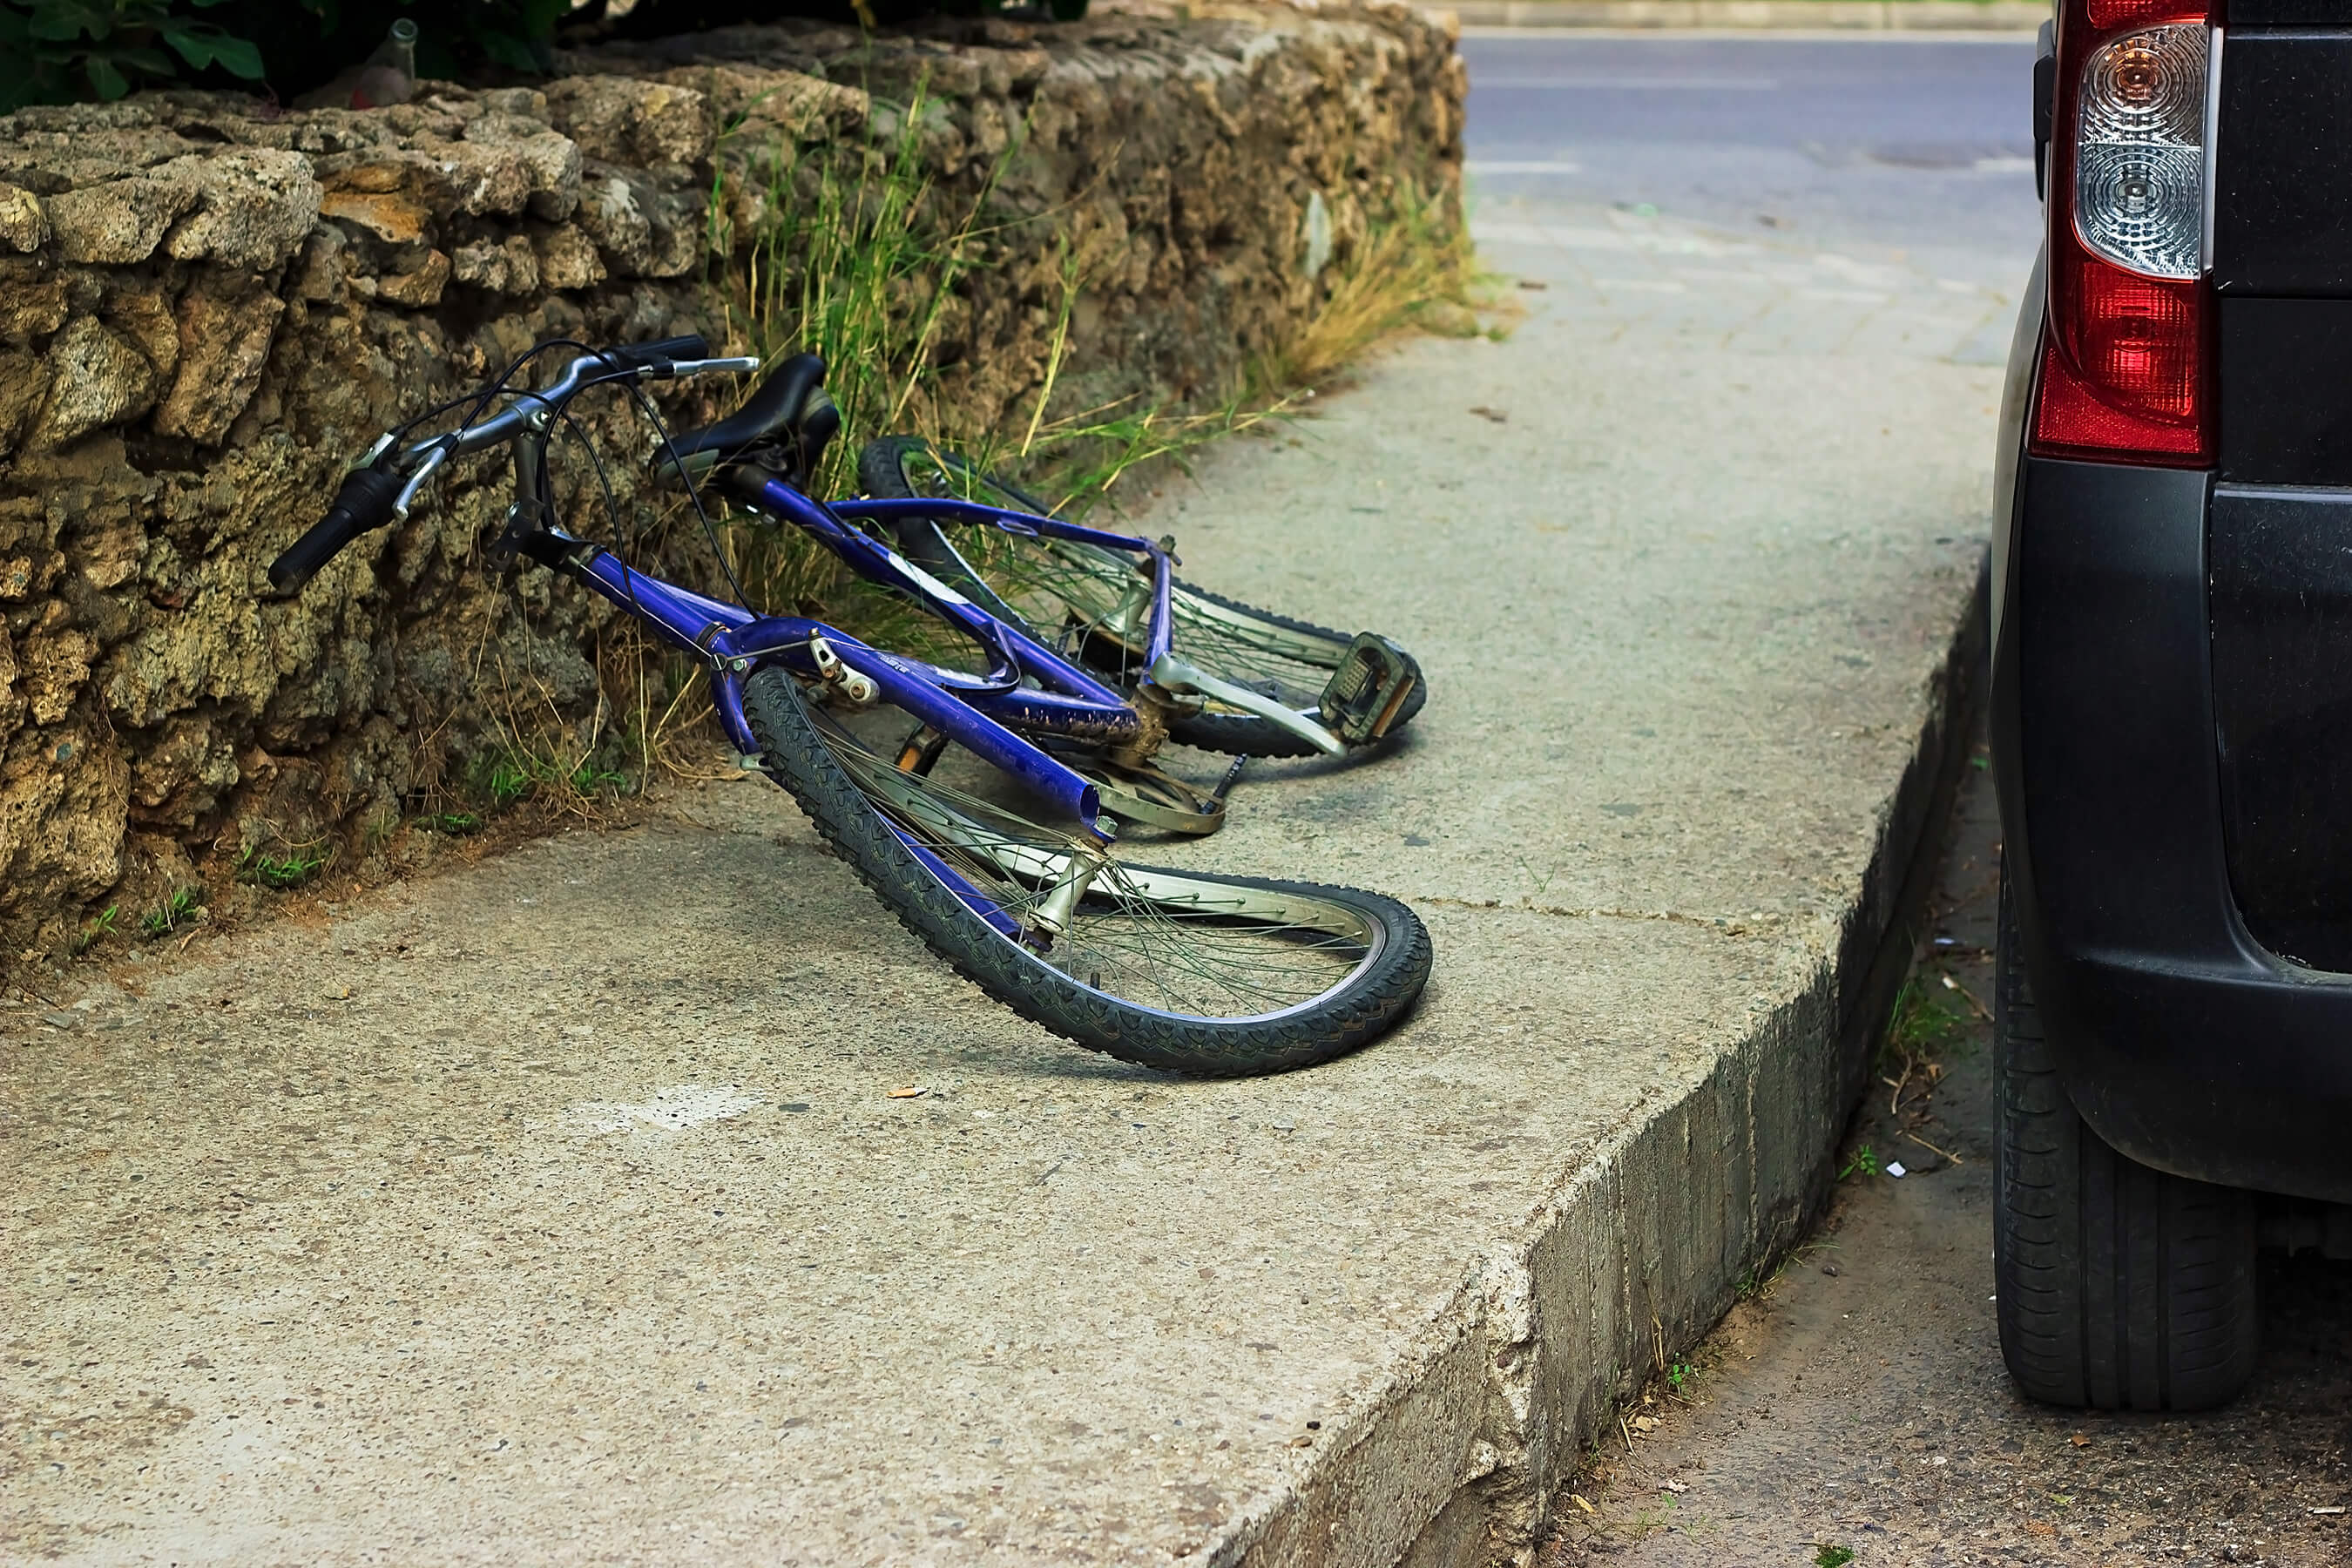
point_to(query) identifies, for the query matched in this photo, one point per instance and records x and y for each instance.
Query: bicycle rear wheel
(1089, 603)
(1178, 969)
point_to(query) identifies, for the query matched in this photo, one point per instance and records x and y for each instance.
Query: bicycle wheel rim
(1091, 602)
(1172, 944)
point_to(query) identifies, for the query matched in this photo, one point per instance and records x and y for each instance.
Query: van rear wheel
(2119, 1287)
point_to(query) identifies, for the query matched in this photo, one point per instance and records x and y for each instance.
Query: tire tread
(2118, 1287)
(799, 760)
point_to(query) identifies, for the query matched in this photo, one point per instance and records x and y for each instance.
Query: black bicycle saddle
(791, 406)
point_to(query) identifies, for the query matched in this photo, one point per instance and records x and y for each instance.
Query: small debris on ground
(1894, 1169)
(910, 1091)
(1499, 415)
(1533, 283)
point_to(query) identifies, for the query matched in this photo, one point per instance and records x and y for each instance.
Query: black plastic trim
(2283, 162)
(2280, 564)
(2184, 1044)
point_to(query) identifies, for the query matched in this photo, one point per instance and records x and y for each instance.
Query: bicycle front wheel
(1178, 969)
(1085, 601)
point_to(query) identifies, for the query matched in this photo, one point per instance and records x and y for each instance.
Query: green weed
(861, 265)
(1680, 1376)
(1923, 1026)
(174, 912)
(95, 929)
(1863, 1161)
(1828, 1556)
(457, 823)
(522, 773)
(282, 871)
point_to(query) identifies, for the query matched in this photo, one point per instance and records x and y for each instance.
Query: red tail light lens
(2116, 15)
(2127, 372)
(2123, 373)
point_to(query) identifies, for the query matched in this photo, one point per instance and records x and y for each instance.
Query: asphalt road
(1898, 141)
(1857, 1402)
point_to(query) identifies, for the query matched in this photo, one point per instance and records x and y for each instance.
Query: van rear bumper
(2183, 1042)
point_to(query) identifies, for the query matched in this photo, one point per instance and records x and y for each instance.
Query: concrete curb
(1630, 1260)
(1757, 16)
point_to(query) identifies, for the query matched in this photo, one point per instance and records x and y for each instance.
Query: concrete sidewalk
(554, 1209)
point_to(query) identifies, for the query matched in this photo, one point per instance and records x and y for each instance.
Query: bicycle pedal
(1366, 692)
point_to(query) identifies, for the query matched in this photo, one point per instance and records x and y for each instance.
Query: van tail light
(2127, 371)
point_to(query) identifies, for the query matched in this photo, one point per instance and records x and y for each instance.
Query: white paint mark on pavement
(671, 1109)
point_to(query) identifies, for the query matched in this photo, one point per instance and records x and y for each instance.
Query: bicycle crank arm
(1178, 676)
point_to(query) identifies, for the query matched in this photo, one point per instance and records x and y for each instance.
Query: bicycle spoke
(1169, 941)
(1078, 595)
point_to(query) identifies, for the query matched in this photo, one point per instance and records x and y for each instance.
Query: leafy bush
(56, 49)
(53, 51)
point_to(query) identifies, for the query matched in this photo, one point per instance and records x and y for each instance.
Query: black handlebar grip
(363, 502)
(661, 354)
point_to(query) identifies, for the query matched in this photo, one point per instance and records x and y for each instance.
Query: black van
(2172, 697)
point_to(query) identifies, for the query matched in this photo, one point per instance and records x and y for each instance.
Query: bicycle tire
(876, 814)
(1260, 649)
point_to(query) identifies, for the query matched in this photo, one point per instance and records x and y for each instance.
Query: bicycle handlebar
(366, 501)
(381, 492)
(664, 351)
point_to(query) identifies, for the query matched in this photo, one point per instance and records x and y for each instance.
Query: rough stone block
(121, 221)
(421, 284)
(511, 267)
(96, 380)
(568, 261)
(22, 224)
(224, 345)
(624, 120)
(254, 206)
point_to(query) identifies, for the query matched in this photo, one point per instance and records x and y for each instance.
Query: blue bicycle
(950, 787)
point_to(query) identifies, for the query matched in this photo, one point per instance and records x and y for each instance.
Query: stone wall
(206, 306)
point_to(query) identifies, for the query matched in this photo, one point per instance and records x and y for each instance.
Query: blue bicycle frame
(1031, 689)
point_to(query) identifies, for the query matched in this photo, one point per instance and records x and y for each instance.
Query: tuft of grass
(457, 823)
(524, 773)
(174, 912)
(852, 259)
(95, 929)
(1415, 269)
(862, 266)
(284, 871)
(1923, 1026)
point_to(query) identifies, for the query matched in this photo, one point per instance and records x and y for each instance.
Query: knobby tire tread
(799, 760)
